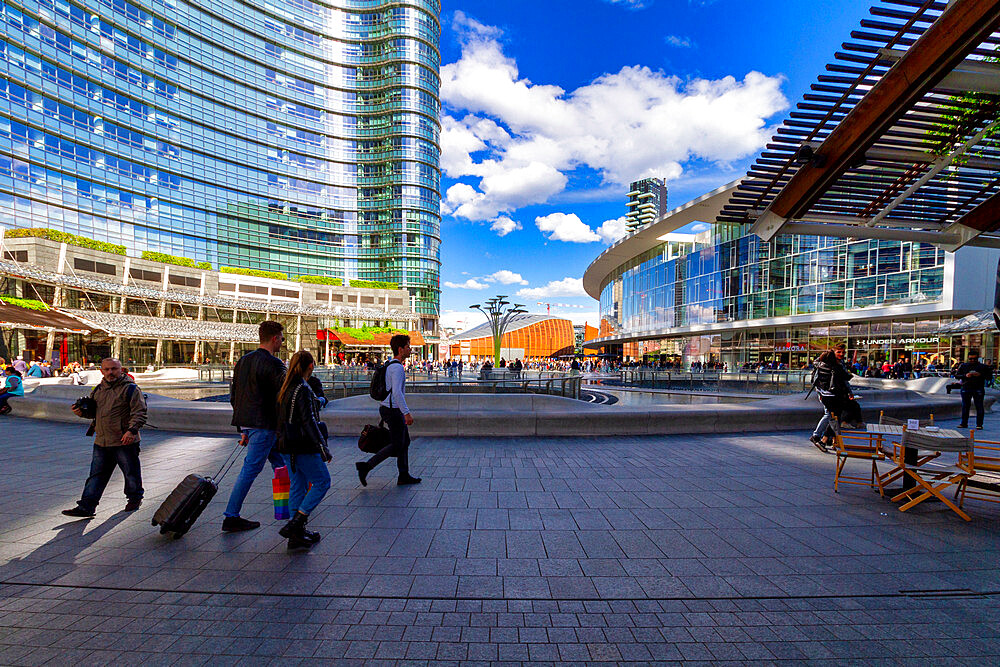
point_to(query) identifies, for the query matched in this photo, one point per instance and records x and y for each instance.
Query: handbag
(374, 438)
(296, 433)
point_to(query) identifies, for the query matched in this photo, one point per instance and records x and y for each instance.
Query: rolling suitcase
(189, 499)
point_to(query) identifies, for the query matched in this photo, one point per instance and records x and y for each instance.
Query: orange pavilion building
(528, 337)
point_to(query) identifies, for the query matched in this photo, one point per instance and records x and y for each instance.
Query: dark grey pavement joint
(604, 549)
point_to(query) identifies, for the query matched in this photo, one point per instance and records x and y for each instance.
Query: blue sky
(551, 107)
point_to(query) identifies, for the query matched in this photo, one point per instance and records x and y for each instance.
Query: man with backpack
(389, 383)
(832, 383)
(118, 411)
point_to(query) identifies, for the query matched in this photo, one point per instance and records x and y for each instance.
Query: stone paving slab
(604, 549)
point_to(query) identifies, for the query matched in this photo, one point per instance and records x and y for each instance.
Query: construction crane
(548, 306)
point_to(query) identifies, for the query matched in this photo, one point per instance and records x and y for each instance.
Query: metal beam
(963, 26)
(984, 218)
(969, 77)
(850, 231)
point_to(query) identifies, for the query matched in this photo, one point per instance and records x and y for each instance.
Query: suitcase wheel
(163, 530)
(153, 522)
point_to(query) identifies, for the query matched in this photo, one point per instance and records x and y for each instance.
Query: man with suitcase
(118, 411)
(257, 378)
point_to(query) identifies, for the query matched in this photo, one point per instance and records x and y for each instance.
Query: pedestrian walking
(832, 384)
(257, 377)
(302, 442)
(974, 376)
(118, 411)
(13, 386)
(396, 415)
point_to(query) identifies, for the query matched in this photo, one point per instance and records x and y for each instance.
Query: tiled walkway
(605, 549)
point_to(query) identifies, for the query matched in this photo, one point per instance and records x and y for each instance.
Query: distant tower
(647, 201)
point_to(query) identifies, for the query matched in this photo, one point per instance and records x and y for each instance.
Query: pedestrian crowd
(276, 411)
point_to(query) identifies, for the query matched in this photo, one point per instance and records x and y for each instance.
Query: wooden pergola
(899, 140)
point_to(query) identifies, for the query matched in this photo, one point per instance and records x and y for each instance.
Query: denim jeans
(261, 446)
(830, 408)
(309, 469)
(102, 465)
(823, 424)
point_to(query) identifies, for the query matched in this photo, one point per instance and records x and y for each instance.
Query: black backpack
(378, 390)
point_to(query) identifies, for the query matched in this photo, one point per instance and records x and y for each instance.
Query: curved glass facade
(731, 275)
(294, 136)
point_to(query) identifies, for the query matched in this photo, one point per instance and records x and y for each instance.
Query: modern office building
(727, 296)
(78, 300)
(300, 137)
(528, 337)
(647, 201)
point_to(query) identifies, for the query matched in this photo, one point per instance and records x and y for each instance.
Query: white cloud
(565, 287)
(514, 142)
(568, 227)
(632, 4)
(612, 230)
(505, 277)
(591, 317)
(700, 227)
(678, 41)
(461, 319)
(504, 225)
(471, 283)
(565, 227)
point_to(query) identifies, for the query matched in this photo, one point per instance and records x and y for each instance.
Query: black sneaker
(963, 426)
(404, 481)
(133, 505)
(79, 512)
(818, 442)
(237, 524)
(362, 467)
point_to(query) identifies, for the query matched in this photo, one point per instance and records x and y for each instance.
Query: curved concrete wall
(508, 415)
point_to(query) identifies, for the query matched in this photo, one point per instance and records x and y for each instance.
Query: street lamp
(499, 312)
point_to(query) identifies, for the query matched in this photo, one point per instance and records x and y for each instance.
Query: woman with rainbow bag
(302, 443)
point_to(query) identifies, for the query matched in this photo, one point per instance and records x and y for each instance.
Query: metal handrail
(774, 381)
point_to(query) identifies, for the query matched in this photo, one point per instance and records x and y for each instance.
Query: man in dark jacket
(974, 376)
(257, 378)
(120, 413)
(832, 383)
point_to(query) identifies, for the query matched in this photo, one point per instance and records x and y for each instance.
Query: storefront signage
(897, 341)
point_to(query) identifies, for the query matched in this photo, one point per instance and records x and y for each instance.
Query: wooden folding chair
(979, 486)
(859, 445)
(892, 450)
(931, 477)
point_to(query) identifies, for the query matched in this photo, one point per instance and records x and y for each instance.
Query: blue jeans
(102, 465)
(309, 469)
(261, 446)
(829, 404)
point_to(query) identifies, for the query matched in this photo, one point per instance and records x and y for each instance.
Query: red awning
(376, 340)
(25, 318)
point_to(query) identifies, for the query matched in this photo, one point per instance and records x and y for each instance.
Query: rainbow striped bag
(280, 486)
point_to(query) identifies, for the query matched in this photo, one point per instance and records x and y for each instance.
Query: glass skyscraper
(288, 135)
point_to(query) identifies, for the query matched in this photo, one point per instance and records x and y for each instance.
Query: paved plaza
(605, 549)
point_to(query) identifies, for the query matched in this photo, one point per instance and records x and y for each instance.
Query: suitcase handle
(230, 460)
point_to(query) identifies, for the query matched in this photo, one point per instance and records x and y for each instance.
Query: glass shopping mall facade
(290, 135)
(727, 296)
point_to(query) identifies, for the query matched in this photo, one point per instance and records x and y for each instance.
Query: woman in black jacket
(302, 442)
